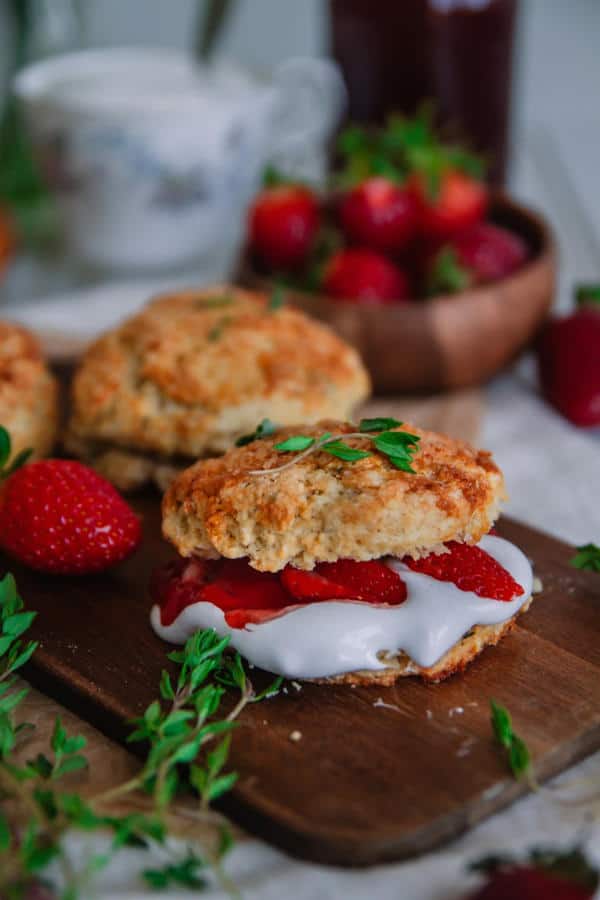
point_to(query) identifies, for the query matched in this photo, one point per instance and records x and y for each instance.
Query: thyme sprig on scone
(398, 446)
(187, 739)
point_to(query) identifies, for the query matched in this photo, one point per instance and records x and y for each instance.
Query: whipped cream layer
(331, 637)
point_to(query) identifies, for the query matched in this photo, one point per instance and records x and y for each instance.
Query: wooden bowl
(449, 341)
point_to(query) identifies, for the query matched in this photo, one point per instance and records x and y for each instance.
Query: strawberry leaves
(404, 146)
(5, 454)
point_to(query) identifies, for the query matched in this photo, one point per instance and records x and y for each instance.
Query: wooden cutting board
(379, 773)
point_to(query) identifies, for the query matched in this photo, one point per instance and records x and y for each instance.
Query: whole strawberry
(455, 203)
(479, 255)
(380, 214)
(546, 875)
(569, 364)
(59, 516)
(283, 222)
(364, 276)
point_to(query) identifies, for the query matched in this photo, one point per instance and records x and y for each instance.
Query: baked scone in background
(28, 392)
(195, 370)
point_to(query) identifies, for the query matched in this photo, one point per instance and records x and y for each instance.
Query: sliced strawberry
(177, 585)
(309, 586)
(239, 618)
(237, 586)
(470, 569)
(372, 582)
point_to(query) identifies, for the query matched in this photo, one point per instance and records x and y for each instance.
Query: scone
(194, 371)
(28, 392)
(337, 552)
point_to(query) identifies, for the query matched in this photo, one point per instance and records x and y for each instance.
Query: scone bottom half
(340, 552)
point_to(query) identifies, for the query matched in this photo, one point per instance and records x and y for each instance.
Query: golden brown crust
(28, 392)
(324, 509)
(451, 663)
(196, 369)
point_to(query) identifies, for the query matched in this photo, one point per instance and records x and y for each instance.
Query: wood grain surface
(367, 782)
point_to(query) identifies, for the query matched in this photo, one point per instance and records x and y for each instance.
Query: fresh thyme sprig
(587, 557)
(187, 739)
(517, 752)
(398, 446)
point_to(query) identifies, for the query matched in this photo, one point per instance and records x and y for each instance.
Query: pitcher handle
(312, 99)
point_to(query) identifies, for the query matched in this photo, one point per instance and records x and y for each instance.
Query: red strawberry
(176, 586)
(528, 883)
(489, 251)
(569, 365)
(283, 222)
(246, 595)
(481, 254)
(234, 584)
(460, 201)
(370, 581)
(470, 569)
(59, 516)
(231, 584)
(380, 214)
(546, 875)
(365, 276)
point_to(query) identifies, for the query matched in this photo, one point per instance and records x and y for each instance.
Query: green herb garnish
(265, 428)
(277, 298)
(218, 328)
(378, 424)
(587, 557)
(187, 739)
(517, 753)
(398, 446)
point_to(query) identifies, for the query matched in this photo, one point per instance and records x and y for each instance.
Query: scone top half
(194, 370)
(277, 508)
